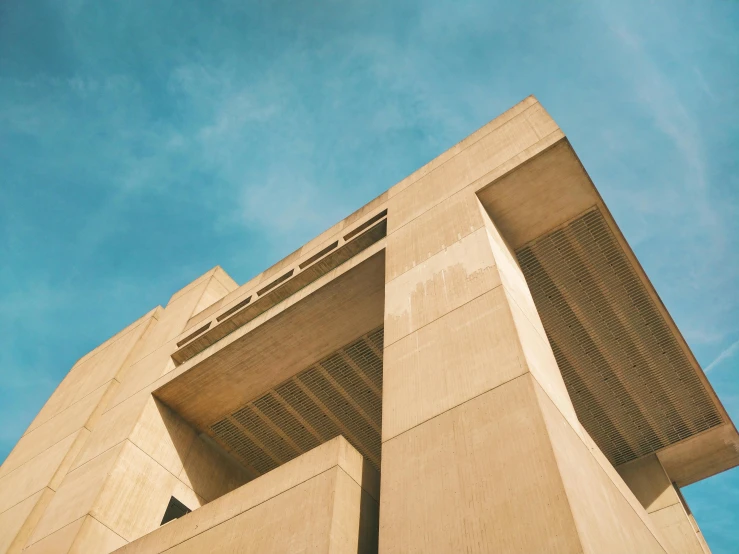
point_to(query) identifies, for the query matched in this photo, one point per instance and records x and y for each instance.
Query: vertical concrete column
(482, 450)
(665, 505)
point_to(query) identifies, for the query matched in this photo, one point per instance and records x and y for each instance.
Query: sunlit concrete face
(473, 361)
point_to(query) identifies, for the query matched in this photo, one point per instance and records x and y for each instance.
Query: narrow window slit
(233, 309)
(319, 255)
(191, 336)
(364, 225)
(276, 282)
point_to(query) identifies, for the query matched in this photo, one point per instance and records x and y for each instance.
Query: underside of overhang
(634, 383)
(340, 394)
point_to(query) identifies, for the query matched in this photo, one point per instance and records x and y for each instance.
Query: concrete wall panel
(276, 526)
(58, 428)
(77, 494)
(457, 357)
(431, 232)
(436, 286)
(115, 426)
(481, 475)
(211, 472)
(34, 475)
(163, 435)
(135, 494)
(13, 521)
(679, 535)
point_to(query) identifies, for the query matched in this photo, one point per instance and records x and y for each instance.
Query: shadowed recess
(339, 395)
(633, 387)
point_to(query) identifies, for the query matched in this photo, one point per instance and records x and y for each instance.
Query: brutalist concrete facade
(474, 361)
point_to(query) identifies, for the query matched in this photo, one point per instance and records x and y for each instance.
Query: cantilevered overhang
(255, 357)
(633, 380)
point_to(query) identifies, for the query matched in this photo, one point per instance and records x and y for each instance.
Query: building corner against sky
(473, 361)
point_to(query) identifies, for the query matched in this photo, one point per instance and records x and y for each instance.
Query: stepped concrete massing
(474, 361)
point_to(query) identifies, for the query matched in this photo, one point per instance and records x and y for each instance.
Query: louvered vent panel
(633, 387)
(293, 429)
(340, 395)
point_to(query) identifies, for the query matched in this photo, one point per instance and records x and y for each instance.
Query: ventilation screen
(633, 386)
(340, 395)
(175, 509)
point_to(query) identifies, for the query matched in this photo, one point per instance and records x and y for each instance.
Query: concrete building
(474, 361)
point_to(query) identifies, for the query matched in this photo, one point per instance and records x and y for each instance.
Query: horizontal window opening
(319, 255)
(364, 225)
(233, 309)
(191, 336)
(276, 282)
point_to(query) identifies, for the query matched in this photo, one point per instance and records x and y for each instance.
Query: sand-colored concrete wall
(98, 465)
(322, 501)
(482, 448)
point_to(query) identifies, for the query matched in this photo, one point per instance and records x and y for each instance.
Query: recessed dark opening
(319, 255)
(175, 509)
(233, 309)
(276, 282)
(364, 225)
(200, 331)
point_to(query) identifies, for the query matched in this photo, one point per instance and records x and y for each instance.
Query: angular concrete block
(93, 536)
(214, 291)
(141, 374)
(83, 536)
(58, 542)
(106, 364)
(648, 481)
(245, 519)
(261, 529)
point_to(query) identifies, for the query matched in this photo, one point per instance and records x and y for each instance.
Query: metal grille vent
(340, 395)
(632, 385)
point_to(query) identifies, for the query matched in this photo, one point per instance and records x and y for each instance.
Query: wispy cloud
(141, 145)
(675, 200)
(724, 355)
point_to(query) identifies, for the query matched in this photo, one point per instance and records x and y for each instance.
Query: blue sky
(143, 142)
